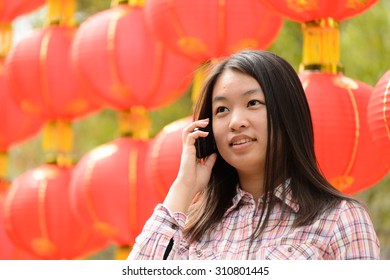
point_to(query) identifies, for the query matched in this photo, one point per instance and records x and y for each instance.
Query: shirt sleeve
(354, 234)
(162, 227)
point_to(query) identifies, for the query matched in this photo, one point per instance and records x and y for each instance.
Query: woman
(261, 194)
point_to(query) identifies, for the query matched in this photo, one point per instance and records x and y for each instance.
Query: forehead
(233, 83)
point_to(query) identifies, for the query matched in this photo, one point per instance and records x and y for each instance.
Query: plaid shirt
(344, 233)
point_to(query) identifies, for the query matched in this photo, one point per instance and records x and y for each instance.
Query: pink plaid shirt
(344, 233)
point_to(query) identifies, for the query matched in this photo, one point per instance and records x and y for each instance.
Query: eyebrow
(248, 92)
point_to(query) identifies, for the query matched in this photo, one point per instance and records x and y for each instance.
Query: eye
(254, 103)
(221, 109)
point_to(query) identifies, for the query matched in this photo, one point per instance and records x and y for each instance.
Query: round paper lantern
(15, 125)
(163, 160)
(38, 218)
(379, 114)
(8, 249)
(41, 78)
(108, 189)
(206, 29)
(345, 151)
(116, 55)
(9, 10)
(308, 10)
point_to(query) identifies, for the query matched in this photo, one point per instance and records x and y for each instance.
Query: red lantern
(206, 29)
(15, 125)
(38, 217)
(9, 10)
(108, 189)
(116, 55)
(308, 10)
(163, 160)
(41, 77)
(345, 151)
(8, 249)
(379, 114)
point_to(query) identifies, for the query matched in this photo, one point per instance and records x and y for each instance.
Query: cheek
(219, 135)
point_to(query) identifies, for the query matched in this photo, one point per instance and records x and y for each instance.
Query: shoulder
(348, 214)
(352, 211)
(354, 236)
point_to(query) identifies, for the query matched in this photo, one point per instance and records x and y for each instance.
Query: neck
(252, 183)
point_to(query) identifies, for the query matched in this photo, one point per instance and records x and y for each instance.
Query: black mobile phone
(205, 146)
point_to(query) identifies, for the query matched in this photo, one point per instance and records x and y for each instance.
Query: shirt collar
(288, 198)
(245, 197)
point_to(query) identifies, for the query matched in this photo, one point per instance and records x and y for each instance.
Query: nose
(238, 120)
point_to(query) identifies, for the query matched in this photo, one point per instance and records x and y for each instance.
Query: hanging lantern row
(38, 218)
(69, 212)
(132, 76)
(15, 125)
(345, 151)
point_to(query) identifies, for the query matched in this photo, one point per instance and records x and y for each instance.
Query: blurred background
(133, 132)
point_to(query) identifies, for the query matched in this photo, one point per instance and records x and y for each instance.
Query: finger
(190, 132)
(199, 123)
(191, 137)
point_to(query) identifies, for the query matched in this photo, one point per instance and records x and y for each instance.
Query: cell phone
(205, 146)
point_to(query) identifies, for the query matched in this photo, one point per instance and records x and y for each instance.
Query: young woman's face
(240, 121)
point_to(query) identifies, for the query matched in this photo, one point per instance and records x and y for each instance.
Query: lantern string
(61, 12)
(5, 38)
(134, 122)
(321, 46)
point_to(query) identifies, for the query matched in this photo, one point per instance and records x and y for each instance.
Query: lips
(239, 140)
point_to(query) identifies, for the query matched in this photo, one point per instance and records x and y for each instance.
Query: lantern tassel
(3, 165)
(65, 143)
(5, 38)
(61, 12)
(132, 3)
(57, 142)
(122, 252)
(321, 47)
(134, 123)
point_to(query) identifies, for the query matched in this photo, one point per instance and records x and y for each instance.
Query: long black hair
(290, 150)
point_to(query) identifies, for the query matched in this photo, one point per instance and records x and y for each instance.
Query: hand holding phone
(205, 146)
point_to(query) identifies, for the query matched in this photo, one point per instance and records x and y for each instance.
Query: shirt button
(290, 249)
(199, 253)
(173, 226)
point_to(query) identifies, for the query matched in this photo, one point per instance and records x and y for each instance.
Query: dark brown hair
(290, 150)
